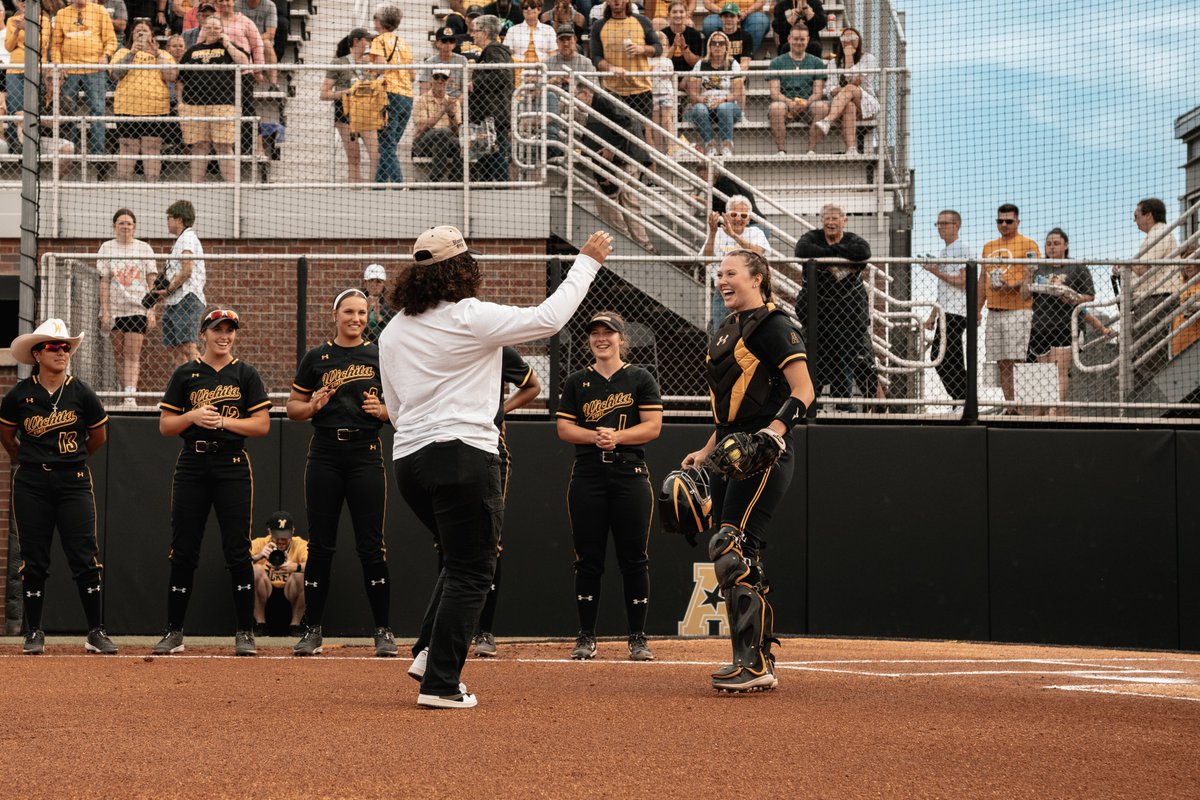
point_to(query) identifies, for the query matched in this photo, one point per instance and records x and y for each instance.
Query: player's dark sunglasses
(1006, 222)
(55, 347)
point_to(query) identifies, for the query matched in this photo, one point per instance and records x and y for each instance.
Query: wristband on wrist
(792, 412)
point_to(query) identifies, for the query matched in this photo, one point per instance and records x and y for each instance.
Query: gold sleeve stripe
(263, 404)
(170, 407)
(301, 389)
(793, 357)
(525, 380)
(3, 421)
(652, 408)
(98, 424)
(565, 415)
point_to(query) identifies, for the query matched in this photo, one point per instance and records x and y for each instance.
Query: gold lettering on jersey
(210, 397)
(355, 372)
(36, 426)
(594, 410)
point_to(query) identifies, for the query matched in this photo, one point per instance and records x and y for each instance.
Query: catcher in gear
(757, 374)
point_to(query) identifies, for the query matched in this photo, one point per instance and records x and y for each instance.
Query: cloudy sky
(1064, 107)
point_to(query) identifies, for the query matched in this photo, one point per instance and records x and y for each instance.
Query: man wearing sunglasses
(727, 232)
(1004, 289)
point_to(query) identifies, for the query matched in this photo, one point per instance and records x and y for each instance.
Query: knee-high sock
(178, 594)
(89, 595)
(242, 579)
(637, 600)
(316, 586)
(378, 584)
(587, 600)
(34, 595)
(487, 617)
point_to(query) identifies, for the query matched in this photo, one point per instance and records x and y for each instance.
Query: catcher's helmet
(685, 502)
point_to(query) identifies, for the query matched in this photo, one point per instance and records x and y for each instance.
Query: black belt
(55, 467)
(612, 457)
(226, 446)
(347, 434)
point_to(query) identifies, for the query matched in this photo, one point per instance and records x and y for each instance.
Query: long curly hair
(419, 288)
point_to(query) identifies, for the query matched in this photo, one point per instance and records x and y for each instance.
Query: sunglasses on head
(221, 314)
(56, 347)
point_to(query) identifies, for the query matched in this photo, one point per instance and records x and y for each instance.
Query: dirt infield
(851, 719)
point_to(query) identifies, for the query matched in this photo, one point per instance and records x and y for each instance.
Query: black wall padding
(1083, 537)
(898, 532)
(1187, 452)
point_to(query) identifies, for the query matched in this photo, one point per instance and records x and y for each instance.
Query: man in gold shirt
(278, 560)
(83, 34)
(623, 42)
(1004, 288)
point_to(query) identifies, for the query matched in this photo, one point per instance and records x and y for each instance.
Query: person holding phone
(728, 232)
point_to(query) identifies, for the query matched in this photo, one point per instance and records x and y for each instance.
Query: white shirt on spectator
(1160, 279)
(130, 269)
(723, 245)
(952, 299)
(544, 41)
(454, 396)
(188, 241)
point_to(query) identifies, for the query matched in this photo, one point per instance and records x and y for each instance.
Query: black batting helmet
(685, 502)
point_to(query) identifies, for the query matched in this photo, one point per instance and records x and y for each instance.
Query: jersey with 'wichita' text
(236, 390)
(349, 371)
(592, 401)
(47, 435)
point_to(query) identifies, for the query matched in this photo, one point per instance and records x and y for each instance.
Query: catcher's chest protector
(738, 383)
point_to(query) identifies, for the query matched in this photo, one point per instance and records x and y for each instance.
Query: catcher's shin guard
(751, 618)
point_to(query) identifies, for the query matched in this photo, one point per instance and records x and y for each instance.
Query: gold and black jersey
(514, 370)
(592, 401)
(236, 390)
(744, 366)
(350, 372)
(52, 426)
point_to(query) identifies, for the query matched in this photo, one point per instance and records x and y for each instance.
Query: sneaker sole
(170, 652)
(436, 701)
(91, 648)
(582, 657)
(315, 652)
(763, 683)
(484, 653)
(647, 657)
(32, 652)
(386, 654)
(247, 653)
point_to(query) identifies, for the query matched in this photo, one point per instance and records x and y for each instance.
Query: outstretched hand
(598, 246)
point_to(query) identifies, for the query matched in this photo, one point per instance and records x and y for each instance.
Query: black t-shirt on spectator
(691, 40)
(514, 15)
(740, 44)
(729, 186)
(208, 87)
(815, 25)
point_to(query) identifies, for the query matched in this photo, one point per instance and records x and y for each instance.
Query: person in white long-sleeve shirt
(440, 359)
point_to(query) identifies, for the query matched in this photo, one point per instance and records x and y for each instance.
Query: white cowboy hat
(52, 330)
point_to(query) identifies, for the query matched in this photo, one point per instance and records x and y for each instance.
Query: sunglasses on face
(737, 214)
(56, 347)
(1006, 222)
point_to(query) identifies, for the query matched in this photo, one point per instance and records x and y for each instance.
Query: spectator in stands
(127, 272)
(438, 120)
(809, 14)
(266, 20)
(624, 42)
(243, 33)
(1152, 285)
(726, 185)
(141, 93)
(118, 15)
(952, 297)
(684, 41)
(445, 43)
(1187, 333)
(467, 46)
(741, 43)
(842, 352)
(665, 94)
(491, 99)
(14, 78)
(171, 137)
(379, 313)
(531, 41)
(278, 560)
(557, 13)
(389, 48)
(210, 94)
(183, 15)
(850, 87)
(183, 296)
(508, 11)
(565, 61)
(83, 34)
(203, 12)
(351, 51)
(1056, 291)
(1004, 288)
(716, 98)
(728, 232)
(797, 96)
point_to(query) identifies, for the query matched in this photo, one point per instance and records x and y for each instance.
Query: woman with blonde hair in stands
(351, 50)
(141, 93)
(716, 98)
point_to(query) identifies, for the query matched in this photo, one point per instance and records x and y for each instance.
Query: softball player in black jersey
(609, 411)
(514, 370)
(337, 387)
(213, 402)
(49, 424)
(757, 373)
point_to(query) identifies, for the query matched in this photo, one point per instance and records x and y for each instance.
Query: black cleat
(98, 642)
(585, 646)
(35, 642)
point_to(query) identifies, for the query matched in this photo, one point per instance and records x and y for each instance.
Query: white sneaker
(852, 151)
(782, 153)
(461, 700)
(416, 670)
(822, 125)
(811, 153)
(727, 150)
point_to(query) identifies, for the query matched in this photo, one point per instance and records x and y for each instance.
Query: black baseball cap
(447, 34)
(613, 323)
(474, 11)
(565, 30)
(280, 525)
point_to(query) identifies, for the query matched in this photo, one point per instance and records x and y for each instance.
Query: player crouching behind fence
(440, 359)
(213, 403)
(757, 374)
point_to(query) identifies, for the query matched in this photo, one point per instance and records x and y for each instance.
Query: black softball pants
(454, 489)
(616, 497)
(748, 505)
(43, 500)
(350, 473)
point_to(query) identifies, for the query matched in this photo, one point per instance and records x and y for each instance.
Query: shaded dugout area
(1047, 536)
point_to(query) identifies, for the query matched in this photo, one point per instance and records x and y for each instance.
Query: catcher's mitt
(741, 455)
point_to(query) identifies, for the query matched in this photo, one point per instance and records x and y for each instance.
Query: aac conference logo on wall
(705, 615)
